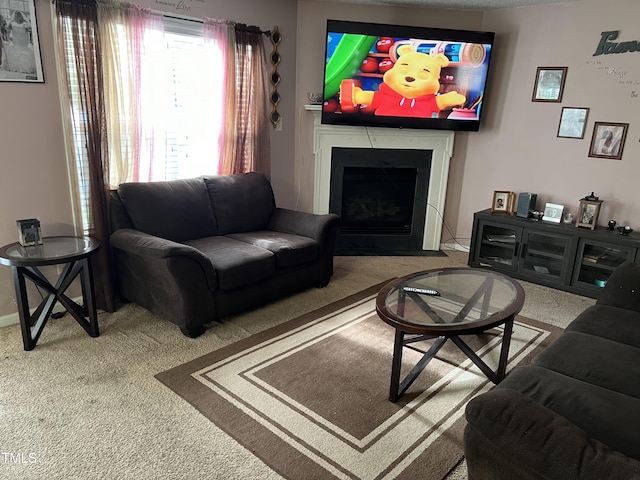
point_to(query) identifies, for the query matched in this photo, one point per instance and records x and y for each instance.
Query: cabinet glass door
(547, 255)
(498, 245)
(596, 261)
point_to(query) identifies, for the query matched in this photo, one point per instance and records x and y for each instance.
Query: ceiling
(460, 4)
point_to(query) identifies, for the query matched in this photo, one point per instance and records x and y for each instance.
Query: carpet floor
(309, 397)
(91, 408)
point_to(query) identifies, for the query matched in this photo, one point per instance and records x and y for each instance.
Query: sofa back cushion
(241, 203)
(177, 210)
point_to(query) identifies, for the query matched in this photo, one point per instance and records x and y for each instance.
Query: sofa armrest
(508, 435)
(135, 242)
(623, 288)
(321, 228)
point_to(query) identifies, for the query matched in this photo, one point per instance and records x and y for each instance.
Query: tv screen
(403, 76)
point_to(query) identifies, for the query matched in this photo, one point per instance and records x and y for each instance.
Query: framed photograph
(588, 214)
(503, 201)
(608, 139)
(553, 212)
(573, 121)
(549, 84)
(29, 232)
(19, 43)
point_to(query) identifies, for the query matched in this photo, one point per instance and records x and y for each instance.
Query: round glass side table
(72, 252)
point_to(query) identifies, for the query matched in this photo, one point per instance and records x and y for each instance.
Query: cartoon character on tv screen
(408, 89)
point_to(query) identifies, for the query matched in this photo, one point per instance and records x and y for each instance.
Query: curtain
(77, 23)
(130, 37)
(221, 34)
(252, 126)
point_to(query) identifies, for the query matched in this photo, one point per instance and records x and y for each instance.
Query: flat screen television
(405, 76)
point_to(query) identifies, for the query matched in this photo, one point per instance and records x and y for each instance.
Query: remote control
(423, 291)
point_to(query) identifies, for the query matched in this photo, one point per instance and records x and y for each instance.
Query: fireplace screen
(381, 197)
(378, 200)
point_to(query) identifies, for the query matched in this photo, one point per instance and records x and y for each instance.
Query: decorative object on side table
(29, 232)
(611, 225)
(589, 211)
(625, 230)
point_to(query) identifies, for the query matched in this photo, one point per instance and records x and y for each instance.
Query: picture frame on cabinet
(503, 202)
(553, 212)
(21, 58)
(607, 140)
(588, 214)
(573, 122)
(549, 84)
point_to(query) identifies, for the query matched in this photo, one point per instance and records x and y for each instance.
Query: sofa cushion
(605, 415)
(595, 360)
(510, 436)
(290, 250)
(241, 203)
(236, 263)
(177, 210)
(614, 323)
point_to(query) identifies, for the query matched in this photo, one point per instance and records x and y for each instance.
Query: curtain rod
(240, 26)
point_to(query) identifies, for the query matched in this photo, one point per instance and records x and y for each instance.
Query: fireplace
(434, 144)
(380, 195)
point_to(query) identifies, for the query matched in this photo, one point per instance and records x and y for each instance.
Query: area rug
(310, 397)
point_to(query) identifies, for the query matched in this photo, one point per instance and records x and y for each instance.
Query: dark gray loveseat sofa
(197, 250)
(575, 411)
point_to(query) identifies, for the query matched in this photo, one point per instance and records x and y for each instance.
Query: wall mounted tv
(405, 77)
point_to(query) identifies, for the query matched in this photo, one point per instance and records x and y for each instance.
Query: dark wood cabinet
(557, 255)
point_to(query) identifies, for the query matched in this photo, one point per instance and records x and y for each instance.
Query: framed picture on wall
(21, 60)
(608, 139)
(573, 121)
(549, 84)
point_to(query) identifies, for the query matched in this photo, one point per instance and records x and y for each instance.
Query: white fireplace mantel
(439, 142)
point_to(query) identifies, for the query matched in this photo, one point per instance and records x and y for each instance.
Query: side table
(72, 252)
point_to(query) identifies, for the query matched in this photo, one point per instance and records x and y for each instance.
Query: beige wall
(517, 148)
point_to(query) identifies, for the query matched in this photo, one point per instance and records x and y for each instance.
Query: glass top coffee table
(74, 253)
(443, 305)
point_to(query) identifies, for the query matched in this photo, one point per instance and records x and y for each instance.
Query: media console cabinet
(557, 255)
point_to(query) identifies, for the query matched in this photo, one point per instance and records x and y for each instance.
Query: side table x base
(33, 324)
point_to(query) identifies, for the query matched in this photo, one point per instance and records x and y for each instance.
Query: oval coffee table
(464, 302)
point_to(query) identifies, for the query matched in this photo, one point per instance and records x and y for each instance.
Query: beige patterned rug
(309, 397)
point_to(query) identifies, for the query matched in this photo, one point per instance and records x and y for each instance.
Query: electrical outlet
(279, 125)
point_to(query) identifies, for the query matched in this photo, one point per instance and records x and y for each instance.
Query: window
(172, 127)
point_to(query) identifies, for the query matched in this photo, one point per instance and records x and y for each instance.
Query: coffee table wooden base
(398, 388)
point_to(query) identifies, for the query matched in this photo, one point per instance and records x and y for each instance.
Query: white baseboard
(14, 318)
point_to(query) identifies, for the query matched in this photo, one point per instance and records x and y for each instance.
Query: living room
(516, 149)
